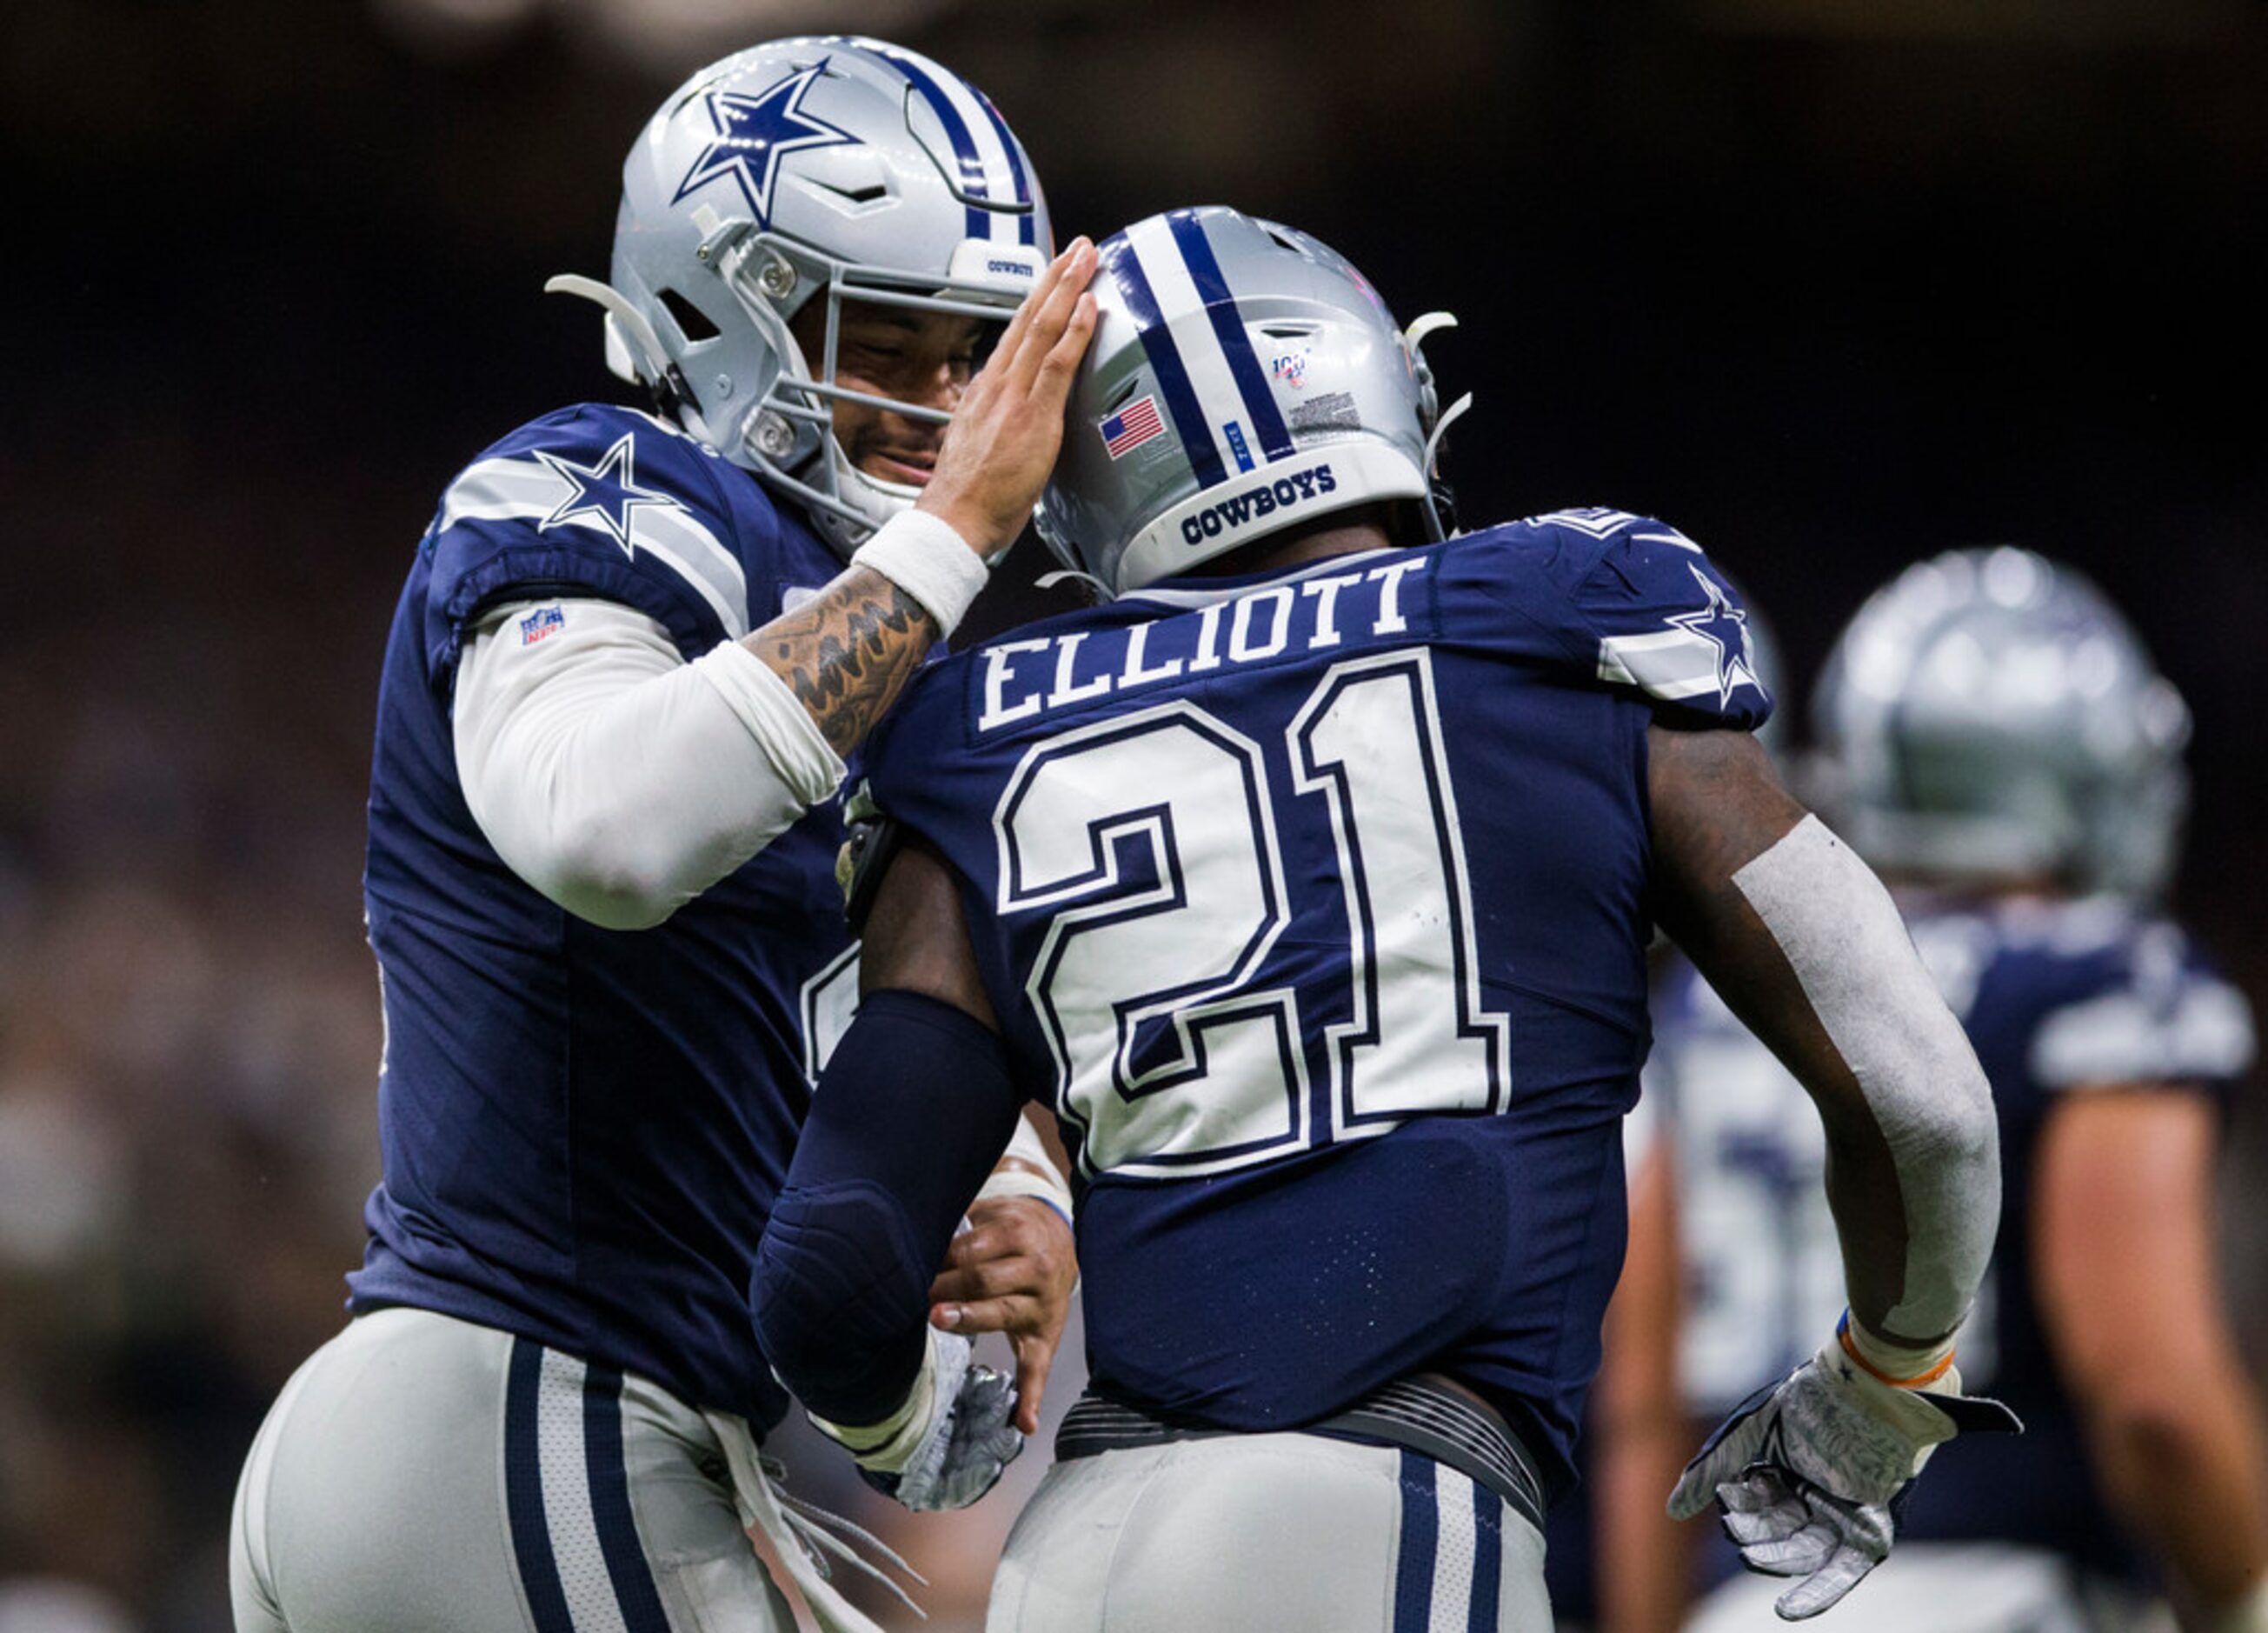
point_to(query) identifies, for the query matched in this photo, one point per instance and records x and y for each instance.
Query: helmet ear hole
(692, 321)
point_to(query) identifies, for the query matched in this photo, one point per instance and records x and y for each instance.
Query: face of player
(922, 358)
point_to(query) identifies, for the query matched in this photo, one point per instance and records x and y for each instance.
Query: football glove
(1811, 1472)
(947, 1444)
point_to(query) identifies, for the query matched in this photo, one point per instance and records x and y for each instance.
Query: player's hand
(1008, 426)
(958, 1440)
(1810, 1471)
(1013, 1271)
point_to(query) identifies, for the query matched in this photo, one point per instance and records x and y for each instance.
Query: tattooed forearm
(848, 654)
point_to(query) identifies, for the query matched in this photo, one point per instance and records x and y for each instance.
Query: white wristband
(1907, 1365)
(1017, 1182)
(1040, 1177)
(925, 557)
(888, 1445)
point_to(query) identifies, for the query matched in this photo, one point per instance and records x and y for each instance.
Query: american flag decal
(1131, 427)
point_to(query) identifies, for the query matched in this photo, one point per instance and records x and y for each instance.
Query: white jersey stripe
(699, 559)
(1599, 522)
(519, 489)
(1183, 309)
(1673, 664)
(1454, 1552)
(584, 1579)
(1673, 536)
(1657, 642)
(2131, 1037)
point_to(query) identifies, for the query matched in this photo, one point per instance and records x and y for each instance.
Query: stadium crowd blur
(1830, 291)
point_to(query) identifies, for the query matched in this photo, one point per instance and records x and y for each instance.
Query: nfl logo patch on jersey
(541, 622)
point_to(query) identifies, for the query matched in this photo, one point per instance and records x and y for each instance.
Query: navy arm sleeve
(911, 1115)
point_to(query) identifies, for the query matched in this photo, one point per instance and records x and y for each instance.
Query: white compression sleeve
(1850, 951)
(615, 777)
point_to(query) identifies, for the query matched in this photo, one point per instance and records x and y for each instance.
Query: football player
(2003, 747)
(1615, 1561)
(1308, 879)
(631, 653)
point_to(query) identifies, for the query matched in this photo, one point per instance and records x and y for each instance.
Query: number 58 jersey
(1314, 905)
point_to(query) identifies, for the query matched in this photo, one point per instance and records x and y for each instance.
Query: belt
(1412, 1413)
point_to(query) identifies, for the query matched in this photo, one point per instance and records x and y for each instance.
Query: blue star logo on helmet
(1726, 627)
(753, 133)
(606, 495)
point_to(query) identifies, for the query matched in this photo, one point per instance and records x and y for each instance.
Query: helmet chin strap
(1073, 575)
(1413, 340)
(870, 495)
(1449, 416)
(1439, 503)
(1431, 322)
(626, 328)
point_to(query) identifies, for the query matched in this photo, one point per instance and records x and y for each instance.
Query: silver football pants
(1246, 1532)
(420, 1472)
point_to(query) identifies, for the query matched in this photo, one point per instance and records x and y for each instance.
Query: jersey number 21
(1152, 842)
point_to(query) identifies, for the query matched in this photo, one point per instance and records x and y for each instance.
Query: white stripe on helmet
(1183, 310)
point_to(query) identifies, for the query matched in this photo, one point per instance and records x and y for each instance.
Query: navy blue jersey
(583, 1129)
(1315, 905)
(2055, 997)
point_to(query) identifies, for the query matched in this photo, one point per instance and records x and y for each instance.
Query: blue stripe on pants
(639, 1601)
(1421, 1524)
(1488, 1559)
(523, 1485)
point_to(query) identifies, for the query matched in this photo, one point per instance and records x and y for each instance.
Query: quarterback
(1308, 878)
(631, 653)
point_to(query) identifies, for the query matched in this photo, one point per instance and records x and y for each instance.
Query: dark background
(1831, 284)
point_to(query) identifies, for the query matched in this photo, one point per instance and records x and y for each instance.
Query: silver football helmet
(835, 169)
(1242, 378)
(1990, 714)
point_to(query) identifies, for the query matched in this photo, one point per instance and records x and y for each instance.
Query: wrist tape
(923, 555)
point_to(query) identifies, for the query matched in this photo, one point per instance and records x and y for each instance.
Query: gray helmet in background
(835, 169)
(1990, 714)
(1242, 378)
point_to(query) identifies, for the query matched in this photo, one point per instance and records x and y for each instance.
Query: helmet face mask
(1989, 716)
(835, 170)
(1244, 378)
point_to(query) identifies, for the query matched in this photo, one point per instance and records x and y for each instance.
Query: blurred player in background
(1308, 881)
(625, 667)
(2005, 749)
